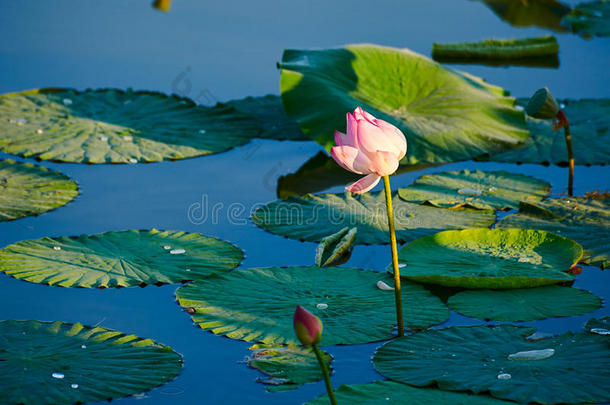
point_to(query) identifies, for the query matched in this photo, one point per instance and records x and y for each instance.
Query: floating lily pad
(334, 247)
(599, 326)
(322, 172)
(590, 18)
(118, 259)
(60, 363)
(478, 189)
(114, 126)
(445, 115)
(540, 13)
(312, 217)
(268, 113)
(586, 220)
(390, 392)
(257, 304)
(27, 189)
(490, 258)
(589, 128)
(571, 367)
(524, 304)
(497, 50)
(287, 366)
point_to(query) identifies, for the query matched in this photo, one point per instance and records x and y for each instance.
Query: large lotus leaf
(26, 189)
(118, 259)
(114, 126)
(590, 18)
(269, 114)
(589, 128)
(60, 363)
(524, 304)
(540, 13)
(322, 172)
(445, 115)
(312, 217)
(599, 326)
(390, 392)
(490, 258)
(287, 366)
(485, 190)
(586, 220)
(258, 304)
(568, 368)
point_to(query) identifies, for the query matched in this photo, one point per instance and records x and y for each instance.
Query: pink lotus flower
(307, 326)
(371, 146)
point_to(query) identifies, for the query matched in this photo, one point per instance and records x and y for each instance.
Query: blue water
(215, 52)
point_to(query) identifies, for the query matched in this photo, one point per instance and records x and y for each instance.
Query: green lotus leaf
(60, 363)
(589, 19)
(584, 219)
(313, 217)
(27, 189)
(268, 113)
(498, 190)
(390, 392)
(498, 51)
(599, 326)
(524, 304)
(334, 247)
(589, 128)
(118, 259)
(257, 305)
(115, 126)
(445, 115)
(287, 366)
(490, 258)
(322, 172)
(568, 368)
(540, 13)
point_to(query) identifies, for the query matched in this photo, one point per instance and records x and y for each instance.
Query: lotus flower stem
(566, 130)
(329, 387)
(388, 201)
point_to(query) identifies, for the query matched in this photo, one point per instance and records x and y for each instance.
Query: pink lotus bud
(307, 326)
(371, 146)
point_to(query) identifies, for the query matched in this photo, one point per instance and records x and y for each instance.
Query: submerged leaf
(445, 115)
(476, 359)
(334, 247)
(118, 259)
(27, 189)
(61, 363)
(287, 366)
(490, 258)
(478, 189)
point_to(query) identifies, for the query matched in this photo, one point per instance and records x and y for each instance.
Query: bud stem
(397, 294)
(329, 387)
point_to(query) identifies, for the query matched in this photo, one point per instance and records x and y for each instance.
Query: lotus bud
(307, 327)
(542, 105)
